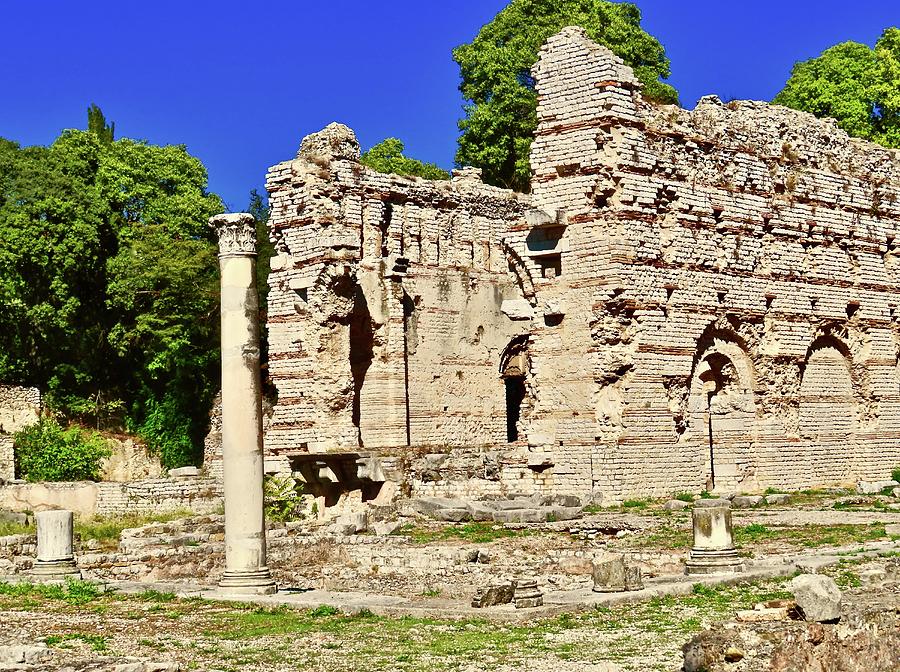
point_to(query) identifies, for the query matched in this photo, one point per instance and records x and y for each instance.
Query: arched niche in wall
(829, 410)
(722, 409)
(515, 371)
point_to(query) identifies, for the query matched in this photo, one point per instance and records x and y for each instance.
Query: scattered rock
(777, 498)
(746, 501)
(892, 530)
(676, 505)
(385, 528)
(875, 487)
(818, 597)
(817, 564)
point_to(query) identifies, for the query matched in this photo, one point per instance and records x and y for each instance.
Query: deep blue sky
(240, 83)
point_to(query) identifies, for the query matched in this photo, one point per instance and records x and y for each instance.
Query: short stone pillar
(242, 450)
(713, 551)
(610, 574)
(55, 557)
(527, 595)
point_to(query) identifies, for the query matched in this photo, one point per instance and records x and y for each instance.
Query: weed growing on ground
(97, 642)
(73, 592)
(684, 497)
(476, 533)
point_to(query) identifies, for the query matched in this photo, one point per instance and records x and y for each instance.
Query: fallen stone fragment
(778, 498)
(491, 596)
(892, 530)
(746, 501)
(875, 487)
(676, 505)
(818, 597)
(385, 528)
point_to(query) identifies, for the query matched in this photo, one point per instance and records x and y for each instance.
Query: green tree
(98, 126)
(265, 249)
(387, 157)
(108, 284)
(495, 68)
(857, 86)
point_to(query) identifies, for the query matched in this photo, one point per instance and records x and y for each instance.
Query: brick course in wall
(696, 299)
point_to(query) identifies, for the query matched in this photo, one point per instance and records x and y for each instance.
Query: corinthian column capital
(237, 234)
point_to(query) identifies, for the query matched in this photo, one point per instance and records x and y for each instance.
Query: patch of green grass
(895, 474)
(774, 491)
(635, 504)
(73, 592)
(684, 497)
(155, 596)
(97, 642)
(431, 592)
(592, 508)
(476, 533)
(810, 536)
(9, 528)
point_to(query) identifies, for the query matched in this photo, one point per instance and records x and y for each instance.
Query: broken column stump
(528, 595)
(612, 574)
(55, 558)
(713, 551)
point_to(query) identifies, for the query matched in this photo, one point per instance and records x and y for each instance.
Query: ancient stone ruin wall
(686, 300)
(19, 407)
(734, 271)
(385, 307)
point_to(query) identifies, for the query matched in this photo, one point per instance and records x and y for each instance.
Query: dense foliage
(108, 283)
(854, 84)
(387, 157)
(47, 452)
(496, 76)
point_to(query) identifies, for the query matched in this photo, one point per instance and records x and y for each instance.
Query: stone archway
(723, 412)
(828, 412)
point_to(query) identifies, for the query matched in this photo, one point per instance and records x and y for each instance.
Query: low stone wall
(85, 498)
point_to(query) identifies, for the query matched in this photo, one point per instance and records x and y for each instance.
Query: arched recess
(515, 371)
(829, 411)
(722, 410)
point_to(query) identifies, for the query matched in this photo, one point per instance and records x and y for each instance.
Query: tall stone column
(242, 450)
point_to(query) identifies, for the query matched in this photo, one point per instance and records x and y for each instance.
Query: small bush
(895, 474)
(47, 452)
(282, 498)
(167, 431)
(684, 497)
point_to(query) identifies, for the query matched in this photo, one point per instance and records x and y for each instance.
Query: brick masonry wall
(738, 267)
(385, 322)
(704, 298)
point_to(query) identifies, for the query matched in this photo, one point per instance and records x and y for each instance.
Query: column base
(248, 582)
(55, 570)
(714, 562)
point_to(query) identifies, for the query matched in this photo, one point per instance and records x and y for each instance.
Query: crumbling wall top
(335, 141)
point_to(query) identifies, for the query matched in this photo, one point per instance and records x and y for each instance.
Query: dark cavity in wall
(362, 338)
(515, 395)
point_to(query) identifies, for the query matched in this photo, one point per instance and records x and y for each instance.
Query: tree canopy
(854, 84)
(108, 282)
(387, 157)
(500, 115)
